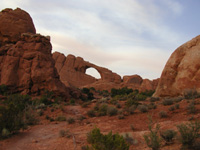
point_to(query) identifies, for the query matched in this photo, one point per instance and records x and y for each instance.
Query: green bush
(172, 108)
(189, 133)
(140, 97)
(130, 102)
(102, 111)
(109, 141)
(152, 139)
(168, 136)
(122, 91)
(12, 113)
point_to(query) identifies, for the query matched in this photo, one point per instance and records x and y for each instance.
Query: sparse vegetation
(167, 101)
(112, 111)
(109, 141)
(70, 120)
(143, 108)
(189, 133)
(122, 91)
(163, 114)
(61, 118)
(191, 108)
(168, 136)
(152, 139)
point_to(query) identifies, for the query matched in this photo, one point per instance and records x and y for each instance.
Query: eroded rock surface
(13, 23)
(182, 70)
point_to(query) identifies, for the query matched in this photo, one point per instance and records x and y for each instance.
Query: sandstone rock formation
(182, 70)
(72, 71)
(13, 23)
(26, 63)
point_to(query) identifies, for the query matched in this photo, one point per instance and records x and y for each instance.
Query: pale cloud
(128, 37)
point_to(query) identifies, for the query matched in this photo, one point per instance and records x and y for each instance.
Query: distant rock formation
(182, 70)
(26, 63)
(72, 71)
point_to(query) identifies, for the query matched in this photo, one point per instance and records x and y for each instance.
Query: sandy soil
(45, 136)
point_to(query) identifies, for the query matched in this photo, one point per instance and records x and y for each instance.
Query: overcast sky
(126, 36)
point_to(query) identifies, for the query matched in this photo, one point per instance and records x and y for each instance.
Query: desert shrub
(81, 118)
(118, 105)
(191, 108)
(61, 118)
(120, 97)
(89, 94)
(189, 133)
(112, 111)
(31, 116)
(152, 106)
(109, 141)
(140, 97)
(3, 89)
(152, 139)
(132, 109)
(177, 99)
(102, 111)
(143, 108)
(130, 102)
(148, 93)
(154, 99)
(122, 91)
(12, 113)
(190, 93)
(70, 120)
(172, 108)
(64, 133)
(5, 133)
(72, 101)
(167, 101)
(91, 113)
(163, 114)
(177, 106)
(168, 135)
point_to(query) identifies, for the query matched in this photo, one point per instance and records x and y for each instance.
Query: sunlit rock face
(26, 63)
(182, 70)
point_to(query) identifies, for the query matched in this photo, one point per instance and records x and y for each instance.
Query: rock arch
(72, 71)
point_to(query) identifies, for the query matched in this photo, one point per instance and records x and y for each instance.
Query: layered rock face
(13, 23)
(26, 63)
(72, 71)
(182, 70)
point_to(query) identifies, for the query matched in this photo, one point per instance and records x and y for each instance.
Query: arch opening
(93, 72)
